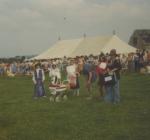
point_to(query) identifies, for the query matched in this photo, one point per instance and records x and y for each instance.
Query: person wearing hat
(38, 80)
(115, 67)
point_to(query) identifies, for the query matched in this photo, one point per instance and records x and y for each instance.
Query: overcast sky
(32, 26)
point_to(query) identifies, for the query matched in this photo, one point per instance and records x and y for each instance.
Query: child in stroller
(56, 87)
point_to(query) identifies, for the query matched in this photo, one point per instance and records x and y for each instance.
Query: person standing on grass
(73, 76)
(77, 88)
(101, 68)
(136, 61)
(109, 82)
(115, 67)
(89, 70)
(38, 80)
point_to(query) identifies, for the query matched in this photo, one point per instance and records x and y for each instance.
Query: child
(38, 80)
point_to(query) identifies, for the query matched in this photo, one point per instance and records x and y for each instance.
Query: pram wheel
(65, 97)
(52, 99)
(57, 99)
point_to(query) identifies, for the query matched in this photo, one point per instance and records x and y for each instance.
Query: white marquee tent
(86, 46)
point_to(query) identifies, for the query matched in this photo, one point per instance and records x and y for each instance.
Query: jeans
(116, 92)
(112, 93)
(109, 94)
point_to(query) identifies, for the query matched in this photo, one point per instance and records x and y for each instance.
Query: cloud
(25, 12)
(116, 9)
(44, 20)
(59, 3)
(82, 10)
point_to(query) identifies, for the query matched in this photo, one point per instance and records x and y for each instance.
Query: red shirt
(100, 70)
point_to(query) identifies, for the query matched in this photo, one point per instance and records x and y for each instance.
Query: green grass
(22, 118)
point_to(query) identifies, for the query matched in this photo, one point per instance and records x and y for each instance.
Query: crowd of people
(132, 62)
(104, 69)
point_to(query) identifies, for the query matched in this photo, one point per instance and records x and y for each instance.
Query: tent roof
(86, 46)
(119, 45)
(92, 45)
(60, 49)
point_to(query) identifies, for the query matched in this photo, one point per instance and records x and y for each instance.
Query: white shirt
(55, 72)
(71, 70)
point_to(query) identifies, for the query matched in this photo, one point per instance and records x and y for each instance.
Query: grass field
(23, 118)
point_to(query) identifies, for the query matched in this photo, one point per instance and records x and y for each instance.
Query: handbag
(109, 79)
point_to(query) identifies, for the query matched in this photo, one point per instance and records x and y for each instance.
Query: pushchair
(58, 90)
